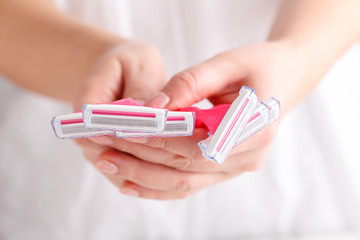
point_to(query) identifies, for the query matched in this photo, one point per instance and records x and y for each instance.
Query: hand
(171, 168)
(131, 69)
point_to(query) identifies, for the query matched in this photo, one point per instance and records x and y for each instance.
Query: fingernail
(142, 102)
(136, 140)
(107, 167)
(159, 100)
(103, 140)
(130, 192)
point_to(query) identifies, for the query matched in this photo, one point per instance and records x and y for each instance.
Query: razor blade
(124, 117)
(231, 126)
(72, 126)
(177, 124)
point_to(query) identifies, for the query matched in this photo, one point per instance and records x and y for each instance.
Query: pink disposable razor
(265, 113)
(231, 126)
(72, 125)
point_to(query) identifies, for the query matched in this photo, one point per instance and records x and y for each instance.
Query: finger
(260, 139)
(187, 146)
(102, 86)
(246, 161)
(161, 156)
(158, 177)
(135, 190)
(105, 167)
(147, 153)
(202, 81)
(89, 145)
(185, 154)
(184, 146)
(144, 77)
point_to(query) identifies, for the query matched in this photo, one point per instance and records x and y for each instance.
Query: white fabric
(308, 186)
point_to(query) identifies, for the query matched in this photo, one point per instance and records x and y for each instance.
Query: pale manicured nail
(136, 140)
(130, 192)
(159, 100)
(142, 102)
(103, 140)
(107, 167)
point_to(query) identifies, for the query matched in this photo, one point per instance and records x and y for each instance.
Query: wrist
(293, 71)
(54, 52)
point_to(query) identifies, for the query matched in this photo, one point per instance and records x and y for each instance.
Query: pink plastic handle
(127, 101)
(208, 118)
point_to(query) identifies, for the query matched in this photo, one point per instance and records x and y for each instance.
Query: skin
(306, 39)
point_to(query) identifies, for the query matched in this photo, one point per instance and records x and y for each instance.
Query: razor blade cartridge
(124, 117)
(72, 126)
(177, 124)
(265, 114)
(258, 120)
(231, 126)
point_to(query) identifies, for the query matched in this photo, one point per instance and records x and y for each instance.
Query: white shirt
(309, 185)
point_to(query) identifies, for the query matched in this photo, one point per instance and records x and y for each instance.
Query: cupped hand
(129, 69)
(172, 168)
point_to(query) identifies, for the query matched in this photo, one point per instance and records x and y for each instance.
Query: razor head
(264, 114)
(231, 126)
(72, 126)
(124, 117)
(177, 124)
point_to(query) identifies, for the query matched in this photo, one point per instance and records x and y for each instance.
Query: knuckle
(196, 154)
(188, 79)
(158, 143)
(182, 184)
(132, 172)
(128, 148)
(181, 163)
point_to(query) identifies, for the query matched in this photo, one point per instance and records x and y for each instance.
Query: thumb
(144, 85)
(102, 86)
(194, 84)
